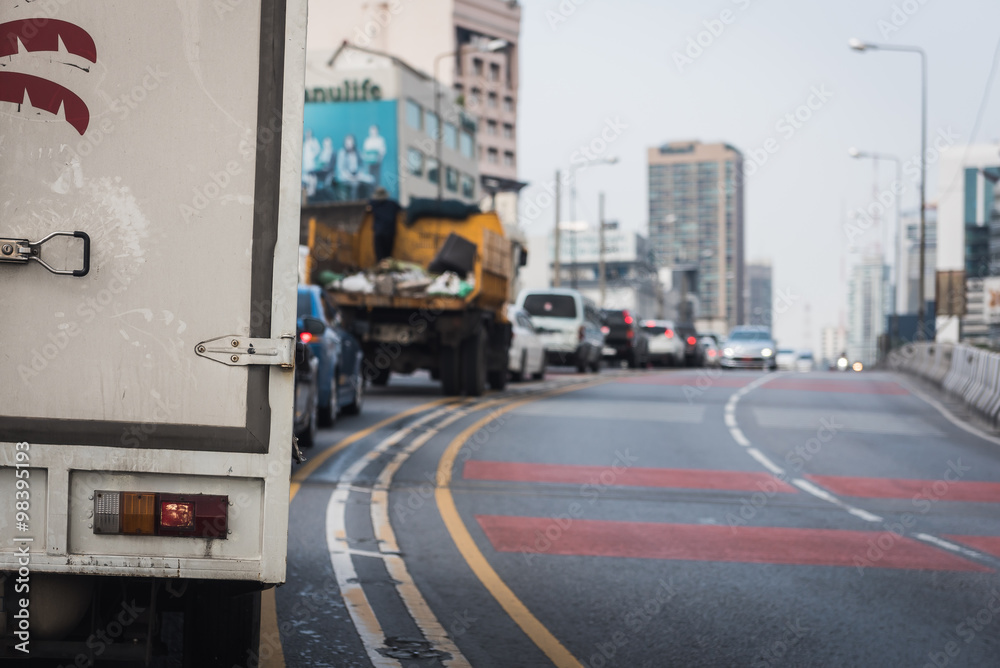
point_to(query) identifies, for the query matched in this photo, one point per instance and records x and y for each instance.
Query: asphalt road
(646, 519)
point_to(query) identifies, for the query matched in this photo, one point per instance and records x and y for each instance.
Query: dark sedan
(624, 339)
(341, 382)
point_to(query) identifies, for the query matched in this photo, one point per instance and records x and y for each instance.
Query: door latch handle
(22, 251)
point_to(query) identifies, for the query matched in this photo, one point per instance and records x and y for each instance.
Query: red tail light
(163, 514)
(628, 318)
(692, 340)
(629, 334)
(669, 333)
(605, 330)
(582, 333)
(305, 337)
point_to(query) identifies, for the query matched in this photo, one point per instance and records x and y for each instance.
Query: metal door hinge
(245, 351)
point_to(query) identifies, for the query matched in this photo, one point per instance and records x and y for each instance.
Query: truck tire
(220, 629)
(474, 365)
(498, 378)
(381, 377)
(449, 370)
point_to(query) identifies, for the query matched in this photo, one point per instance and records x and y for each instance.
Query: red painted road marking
(624, 476)
(691, 380)
(844, 386)
(990, 544)
(895, 488)
(697, 542)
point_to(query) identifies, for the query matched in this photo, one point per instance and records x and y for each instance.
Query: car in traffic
(665, 345)
(306, 388)
(709, 350)
(339, 374)
(689, 336)
(749, 347)
(805, 362)
(624, 339)
(785, 359)
(569, 325)
(527, 352)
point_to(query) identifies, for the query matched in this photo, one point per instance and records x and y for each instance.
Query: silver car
(749, 348)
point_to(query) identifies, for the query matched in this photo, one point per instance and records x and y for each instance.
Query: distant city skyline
(771, 62)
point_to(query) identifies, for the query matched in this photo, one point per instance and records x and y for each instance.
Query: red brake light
(669, 333)
(305, 337)
(605, 330)
(629, 334)
(176, 515)
(650, 323)
(628, 318)
(692, 340)
(163, 514)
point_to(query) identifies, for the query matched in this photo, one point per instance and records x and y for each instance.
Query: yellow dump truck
(408, 316)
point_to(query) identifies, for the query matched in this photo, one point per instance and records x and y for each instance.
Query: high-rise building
(966, 202)
(908, 276)
(458, 42)
(867, 298)
(759, 294)
(833, 343)
(696, 227)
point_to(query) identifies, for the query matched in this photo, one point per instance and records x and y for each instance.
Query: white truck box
(167, 135)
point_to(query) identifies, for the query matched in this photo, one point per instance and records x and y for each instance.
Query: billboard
(348, 150)
(991, 300)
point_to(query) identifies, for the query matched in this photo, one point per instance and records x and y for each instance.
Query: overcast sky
(595, 62)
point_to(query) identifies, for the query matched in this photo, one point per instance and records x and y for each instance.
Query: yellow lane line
(271, 653)
(316, 461)
(517, 610)
(385, 537)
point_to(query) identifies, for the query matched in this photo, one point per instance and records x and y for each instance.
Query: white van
(569, 324)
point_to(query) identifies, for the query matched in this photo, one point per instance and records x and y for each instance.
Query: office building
(867, 298)
(759, 294)
(696, 228)
(833, 344)
(908, 285)
(370, 122)
(452, 41)
(967, 199)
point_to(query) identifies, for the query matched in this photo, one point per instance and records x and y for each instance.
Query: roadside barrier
(966, 373)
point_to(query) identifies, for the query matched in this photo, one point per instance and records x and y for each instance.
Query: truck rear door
(168, 134)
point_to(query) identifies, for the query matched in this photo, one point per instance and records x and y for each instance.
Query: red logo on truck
(45, 35)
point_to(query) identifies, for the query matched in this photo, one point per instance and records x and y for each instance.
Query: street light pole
(572, 207)
(861, 46)
(556, 265)
(600, 248)
(897, 249)
(440, 125)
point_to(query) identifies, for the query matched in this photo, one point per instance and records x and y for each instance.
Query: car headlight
(766, 352)
(728, 352)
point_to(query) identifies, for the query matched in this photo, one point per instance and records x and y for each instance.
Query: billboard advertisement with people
(349, 149)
